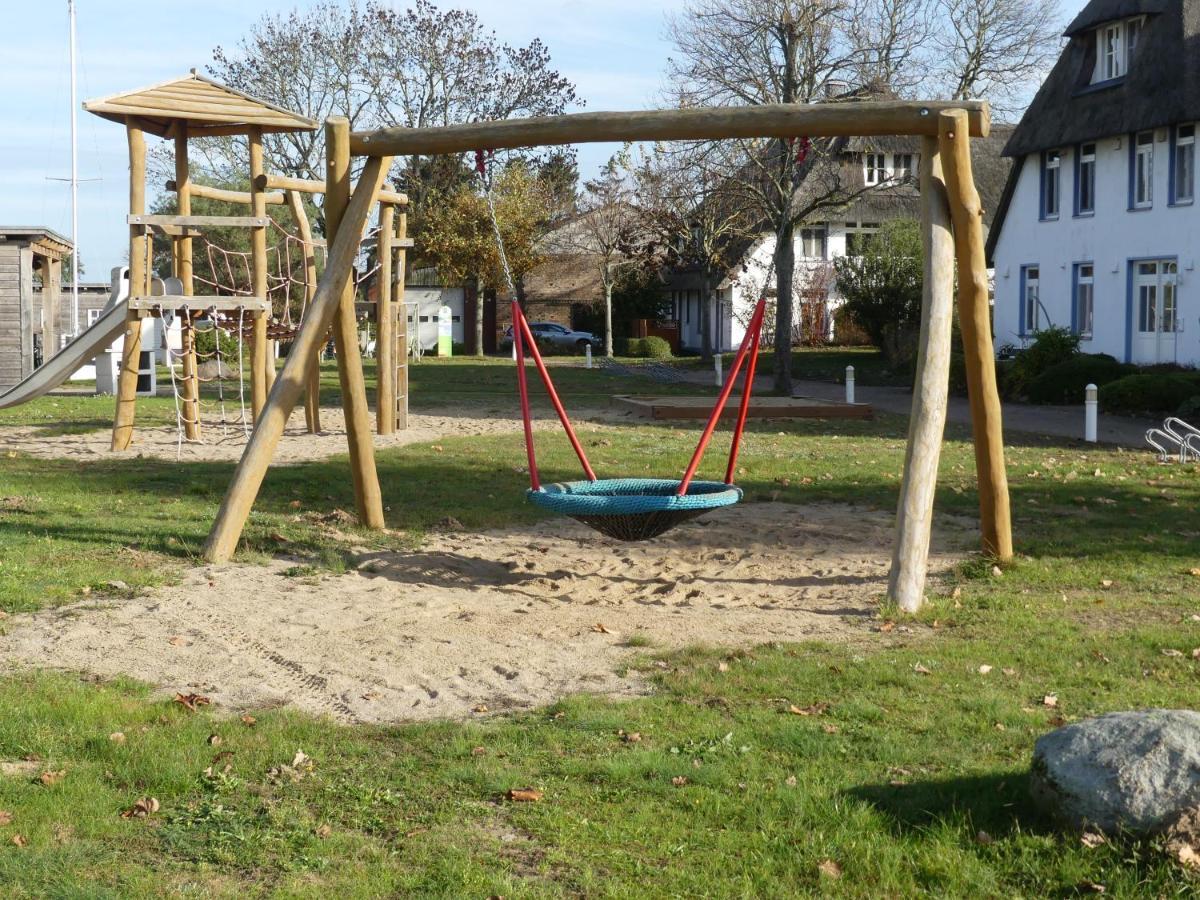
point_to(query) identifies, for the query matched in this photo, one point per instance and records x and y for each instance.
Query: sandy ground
(502, 620)
(297, 444)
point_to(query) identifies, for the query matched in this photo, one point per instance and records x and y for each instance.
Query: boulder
(1124, 771)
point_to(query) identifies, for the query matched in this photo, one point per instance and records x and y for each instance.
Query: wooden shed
(30, 281)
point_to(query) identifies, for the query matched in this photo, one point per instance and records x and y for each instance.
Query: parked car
(557, 337)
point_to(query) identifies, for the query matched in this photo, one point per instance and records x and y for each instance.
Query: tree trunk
(706, 309)
(608, 337)
(785, 261)
(479, 302)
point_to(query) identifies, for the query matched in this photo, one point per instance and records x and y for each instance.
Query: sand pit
(502, 620)
(298, 445)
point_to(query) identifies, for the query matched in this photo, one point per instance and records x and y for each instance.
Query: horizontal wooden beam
(847, 119)
(200, 303)
(216, 193)
(200, 221)
(306, 186)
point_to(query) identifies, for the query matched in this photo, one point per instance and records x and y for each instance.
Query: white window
(856, 235)
(1030, 300)
(1133, 30)
(902, 166)
(1051, 180)
(1086, 190)
(1143, 171)
(1084, 298)
(812, 243)
(93, 315)
(1111, 62)
(1183, 186)
(874, 168)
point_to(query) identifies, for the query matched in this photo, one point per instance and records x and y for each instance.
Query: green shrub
(1049, 348)
(206, 338)
(1065, 382)
(1189, 409)
(1149, 393)
(652, 347)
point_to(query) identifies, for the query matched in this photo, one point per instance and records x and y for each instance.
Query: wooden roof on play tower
(207, 107)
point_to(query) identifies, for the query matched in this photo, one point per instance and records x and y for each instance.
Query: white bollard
(849, 384)
(1091, 404)
(587, 351)
(717, 370)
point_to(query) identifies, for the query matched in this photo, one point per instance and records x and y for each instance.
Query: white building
(879, 174)
(1097, 230)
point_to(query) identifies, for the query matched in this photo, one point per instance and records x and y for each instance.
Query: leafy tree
(882, 286)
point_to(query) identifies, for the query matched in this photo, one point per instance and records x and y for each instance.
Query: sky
(614, 51)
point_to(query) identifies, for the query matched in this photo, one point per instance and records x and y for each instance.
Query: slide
(58, 368)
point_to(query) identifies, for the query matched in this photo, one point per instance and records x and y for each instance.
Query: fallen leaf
(679, 780)
(191, 701)
(982, 837)
(1092, 839)
(722, 666)
(18, 840)
(817, 709)
(1050, 700)
(480, 708)
(524, 795)
(1195, 572)
(215, 740)
(249, 721)
(984, 669)
(1090, 887)
(479, 751)
(887, 627)
(829, 868)
(49, 778)
(145, 807)
(5, 817)
(177, 641)
(921, 670)
(790, 781)
(324, 831)
(829, 728)
(117, 737)
(632, 737)
(1196, 653)
(1171, 651)
(600, 629)
(997, 572)
(1009, 672)
(1106, 583)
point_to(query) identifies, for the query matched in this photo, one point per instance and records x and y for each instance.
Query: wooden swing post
(312, 394)
(385, 379)
(131, 347)
(975, 322)
(260, 358)
(400, 353)
(183, 271)
(325, 307)
(367, 496)
(914, 514)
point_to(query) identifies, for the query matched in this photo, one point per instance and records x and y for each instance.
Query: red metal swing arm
(521, 334)
(749, 345)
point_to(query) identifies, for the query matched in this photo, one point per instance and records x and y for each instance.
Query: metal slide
(62, 365)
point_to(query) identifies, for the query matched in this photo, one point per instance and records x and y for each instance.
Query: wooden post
(259, 358)
(914, 516)
(975, 322)
(367, 496)
(312, 395)
(131, 348)
(385, 379)
(326, 305)
(399, 273)
(183, 271)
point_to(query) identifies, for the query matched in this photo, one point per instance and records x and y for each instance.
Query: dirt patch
(226, 443)
(476, 623)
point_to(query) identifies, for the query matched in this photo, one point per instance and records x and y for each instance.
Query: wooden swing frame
(951, 227)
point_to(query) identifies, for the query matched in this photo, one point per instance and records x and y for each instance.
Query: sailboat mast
(74, 183)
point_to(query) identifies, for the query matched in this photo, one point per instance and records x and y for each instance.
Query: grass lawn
(829, 364)
(912, 781)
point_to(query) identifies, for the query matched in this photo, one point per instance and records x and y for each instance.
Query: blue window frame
(1085, 180)
(1030, 299)
(1051, 183)
(1181, 165)
(1083, 298)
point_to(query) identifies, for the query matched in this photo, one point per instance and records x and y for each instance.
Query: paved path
(1051, 421)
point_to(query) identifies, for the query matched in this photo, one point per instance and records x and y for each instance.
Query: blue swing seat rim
(632, 496)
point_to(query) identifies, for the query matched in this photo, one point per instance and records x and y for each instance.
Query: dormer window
(874, 168)
(1116, 44)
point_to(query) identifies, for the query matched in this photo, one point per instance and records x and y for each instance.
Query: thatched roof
(1161, 87)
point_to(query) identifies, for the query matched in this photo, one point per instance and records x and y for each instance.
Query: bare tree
(995, 49)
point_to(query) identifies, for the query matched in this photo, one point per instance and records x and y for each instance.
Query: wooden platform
(760, 407)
